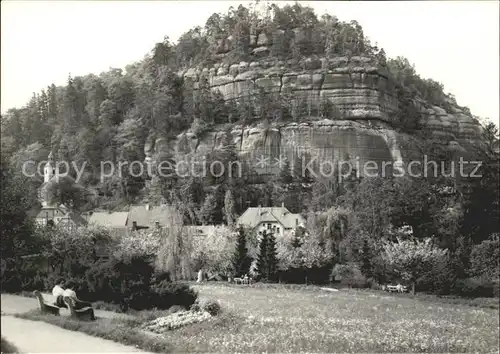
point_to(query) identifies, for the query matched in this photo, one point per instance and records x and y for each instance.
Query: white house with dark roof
(271, 219)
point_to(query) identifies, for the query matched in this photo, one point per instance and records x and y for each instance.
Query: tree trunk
(413, 288)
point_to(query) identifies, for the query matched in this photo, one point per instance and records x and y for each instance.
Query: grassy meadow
(276, 318)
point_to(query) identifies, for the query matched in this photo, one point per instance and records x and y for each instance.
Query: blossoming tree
(213, 252)
(411, 258)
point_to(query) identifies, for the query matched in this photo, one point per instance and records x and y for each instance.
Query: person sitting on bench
(58, 293)
(69, 292)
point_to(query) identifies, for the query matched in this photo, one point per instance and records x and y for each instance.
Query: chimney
(134, 225)
(148, 207)
(282, 204)
(258, 210)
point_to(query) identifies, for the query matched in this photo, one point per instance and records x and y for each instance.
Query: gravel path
(40, 337)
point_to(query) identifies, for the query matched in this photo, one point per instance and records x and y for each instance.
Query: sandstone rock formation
(360, 89)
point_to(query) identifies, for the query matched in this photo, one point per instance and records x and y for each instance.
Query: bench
(44, 306)
(396, 288)
(245, 280)
(85, 313)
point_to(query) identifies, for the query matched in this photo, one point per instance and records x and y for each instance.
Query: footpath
(40, 337)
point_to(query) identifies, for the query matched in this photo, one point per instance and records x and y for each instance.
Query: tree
(272, 257)
(366, 264)
(174, 251)
(229, 208)
(262, 265)
(214, 251)
(17, 230)
(298, 236)
(241, 259)
(411, 258)
(348, 273)
(208, 210)
(66, 191)
(285, 176)
(485, 258)
(481, 205)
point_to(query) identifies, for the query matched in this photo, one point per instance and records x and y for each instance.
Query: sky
(42, 42)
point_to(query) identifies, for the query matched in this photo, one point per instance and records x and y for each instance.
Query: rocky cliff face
(359, 88)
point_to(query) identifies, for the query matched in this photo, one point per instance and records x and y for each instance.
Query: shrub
(485, 257)
(349, 275)
(438, 280)
(476, 287)
(120, 280)
(170, 294)
(196, 306)
(211, 306)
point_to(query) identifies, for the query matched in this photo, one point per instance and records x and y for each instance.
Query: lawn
(284, 319)
(313, 320)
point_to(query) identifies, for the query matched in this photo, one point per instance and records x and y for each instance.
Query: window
(278, 229)
(269, 226)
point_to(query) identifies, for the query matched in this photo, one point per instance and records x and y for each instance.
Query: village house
(147, 216)
(138, 217)
(271, 219)
(115, 222)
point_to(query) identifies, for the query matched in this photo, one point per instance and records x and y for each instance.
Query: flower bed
(176, 320)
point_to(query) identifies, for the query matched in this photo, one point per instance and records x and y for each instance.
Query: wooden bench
(245, 280)
(396, 288)
(86, 313)
(44, 306)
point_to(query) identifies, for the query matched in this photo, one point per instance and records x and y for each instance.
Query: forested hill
(109, 116)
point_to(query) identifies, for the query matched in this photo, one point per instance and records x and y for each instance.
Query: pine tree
(297, 238)
(208, 210)
(366, 266)
(229, 156)
(285, 176)
(229, 208)
(272, 257)
(241, 260)
(262, 267)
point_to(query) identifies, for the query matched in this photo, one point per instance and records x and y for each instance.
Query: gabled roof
(77, 218)
(50, 212)
(117, 219)
(254, 216)
(62, 212)
(147, 216)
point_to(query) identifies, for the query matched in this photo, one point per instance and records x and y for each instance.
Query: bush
(349, 275)
(169, 294)
(22, 275)
(313, 275)
(477, 287)
(439, 280)
(122, 280)
(210, 306)
(485, 257)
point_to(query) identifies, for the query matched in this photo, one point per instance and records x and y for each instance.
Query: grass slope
(299, 319)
